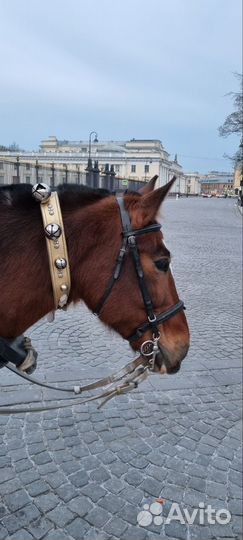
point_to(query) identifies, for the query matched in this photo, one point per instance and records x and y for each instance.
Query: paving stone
(134, 533)
(197, 483)
(216, 490)
(114, 485)
(46, 502)
(79, 479)
(177, 530)
(66, 492)
(17, 500)
(139, 462)
(77, 529)
(60, 516)
(22, 534)
(112, 503)
(134, 478)
(200, 532)
(94, 491)
(98, 517)
(100, 475)
(6, 474)
(56, 479)
(129, 514)
(236, 478)
(115, 527)
(70, 467)
(132, 495)
(57, 534)
(118, 468)
(37, 488)
(151, 486)
(80, 506)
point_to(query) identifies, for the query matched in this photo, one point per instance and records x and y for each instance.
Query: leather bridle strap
(161, 318)
(129, 243)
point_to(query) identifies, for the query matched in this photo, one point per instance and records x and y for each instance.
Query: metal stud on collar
(53, 231)
(41, 192)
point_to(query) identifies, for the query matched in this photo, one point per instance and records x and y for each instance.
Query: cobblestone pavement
(82, 473)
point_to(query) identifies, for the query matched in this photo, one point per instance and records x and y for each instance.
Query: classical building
(217, 183)
(59, 161)
(192, 183)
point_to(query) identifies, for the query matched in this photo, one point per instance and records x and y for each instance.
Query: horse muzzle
(167, 362)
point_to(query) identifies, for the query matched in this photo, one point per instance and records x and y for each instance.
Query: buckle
(152, 320)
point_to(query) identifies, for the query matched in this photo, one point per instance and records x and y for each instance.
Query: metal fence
(18, 171)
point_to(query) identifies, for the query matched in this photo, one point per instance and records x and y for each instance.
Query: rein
(135, 371)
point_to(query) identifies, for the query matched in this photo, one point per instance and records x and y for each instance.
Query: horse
(94, 222)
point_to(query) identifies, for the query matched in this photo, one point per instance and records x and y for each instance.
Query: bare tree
(233, 123)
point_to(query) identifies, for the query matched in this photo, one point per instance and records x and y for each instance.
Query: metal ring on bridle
(145, 345)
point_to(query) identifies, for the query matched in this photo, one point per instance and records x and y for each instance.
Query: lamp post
(89, 166)
(90, 143)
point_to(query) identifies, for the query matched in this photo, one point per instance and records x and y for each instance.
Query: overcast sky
(125, 68)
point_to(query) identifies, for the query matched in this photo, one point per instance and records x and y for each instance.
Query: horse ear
(149, 186)
(151, 202)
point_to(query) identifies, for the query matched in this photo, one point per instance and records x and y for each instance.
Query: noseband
(150, 347)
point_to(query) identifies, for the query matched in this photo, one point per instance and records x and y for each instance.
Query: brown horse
(93, 229)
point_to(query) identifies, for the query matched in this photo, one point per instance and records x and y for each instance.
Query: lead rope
(137, 375)
(134, 372)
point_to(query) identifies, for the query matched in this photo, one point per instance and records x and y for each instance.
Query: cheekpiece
(41, 192)
(53, 231)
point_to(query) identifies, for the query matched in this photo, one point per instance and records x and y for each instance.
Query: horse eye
(162, 265)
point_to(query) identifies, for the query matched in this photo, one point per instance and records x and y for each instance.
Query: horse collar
(56, 243)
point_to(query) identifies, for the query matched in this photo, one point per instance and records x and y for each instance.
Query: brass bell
(41, 192)
(60, 263)
(53, 231)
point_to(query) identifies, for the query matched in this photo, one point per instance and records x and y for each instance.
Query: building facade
(192, 183)
(217, 184)
(60, 161)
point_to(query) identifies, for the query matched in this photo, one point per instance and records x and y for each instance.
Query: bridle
(135, 371)
(148, 348)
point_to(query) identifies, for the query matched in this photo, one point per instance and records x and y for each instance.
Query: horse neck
(25, 280)
(92, 246)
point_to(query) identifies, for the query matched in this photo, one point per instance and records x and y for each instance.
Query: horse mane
(19, 196)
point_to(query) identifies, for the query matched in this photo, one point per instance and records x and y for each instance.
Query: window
(1, 165)
(146, 168)
(133, 168)
(27, 166)
(1, 179)
(117, 168)
(27, 179)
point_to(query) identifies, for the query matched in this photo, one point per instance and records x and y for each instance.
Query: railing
(18, 171)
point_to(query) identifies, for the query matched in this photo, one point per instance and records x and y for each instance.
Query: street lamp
(89, 168)
(90, 141)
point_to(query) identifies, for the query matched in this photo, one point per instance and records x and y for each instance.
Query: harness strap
(114, 377)
(152, 320)
(113, 279)
(57, 249)
(135, 372)
(163, 317)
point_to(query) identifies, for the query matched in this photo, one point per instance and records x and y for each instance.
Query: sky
(148, 69)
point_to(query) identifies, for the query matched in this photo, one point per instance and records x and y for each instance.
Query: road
(80, 472)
